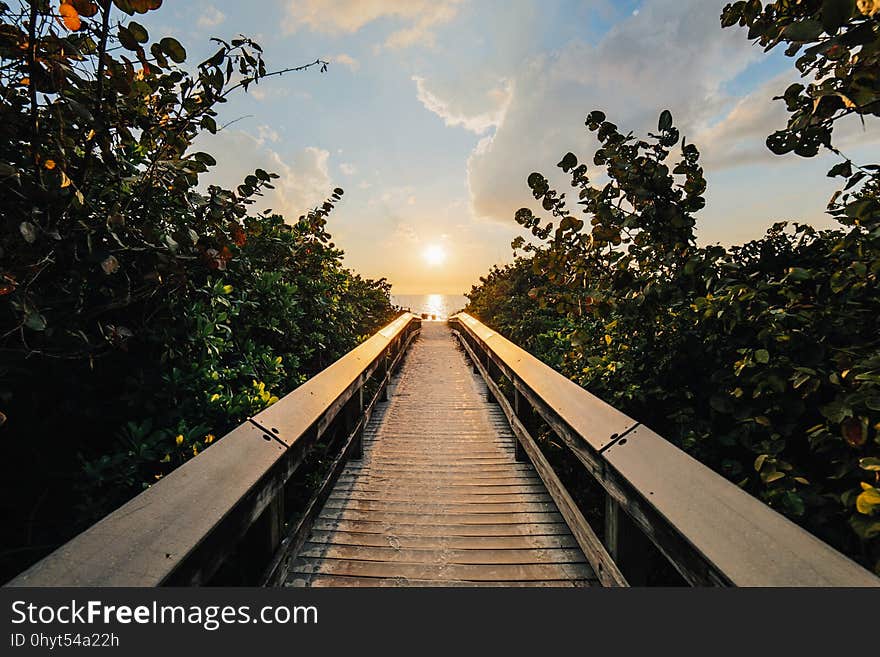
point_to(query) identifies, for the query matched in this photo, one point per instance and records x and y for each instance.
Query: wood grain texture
(438, 498)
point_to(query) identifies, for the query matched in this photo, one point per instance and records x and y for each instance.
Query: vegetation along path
(438, 498)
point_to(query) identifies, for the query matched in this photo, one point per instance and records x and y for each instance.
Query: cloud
(210, 16)
(672, 55)
(418, 17)
(475, 112)
(346, 60)
(266, 133)
(304, 176)
(304, 181)
(348, 168)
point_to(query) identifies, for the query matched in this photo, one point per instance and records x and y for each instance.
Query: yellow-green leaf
(869, 500)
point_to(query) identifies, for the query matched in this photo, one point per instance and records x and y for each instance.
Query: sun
(434, 255)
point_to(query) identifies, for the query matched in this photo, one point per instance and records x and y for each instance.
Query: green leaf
(870, 463)
(35, 321)
(568, 162)
(171, 47)
(762, 356)
(665, 122)
(802, 31)
(759, 462)
(138, 31)
(770, 477)
(799, 274)
(835, 13)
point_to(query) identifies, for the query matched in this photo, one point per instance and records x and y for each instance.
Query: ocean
(440, 306)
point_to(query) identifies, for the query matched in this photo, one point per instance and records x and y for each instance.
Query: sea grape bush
(761, 360)
(142, 315)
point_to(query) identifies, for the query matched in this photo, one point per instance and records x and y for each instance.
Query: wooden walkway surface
(438, 498)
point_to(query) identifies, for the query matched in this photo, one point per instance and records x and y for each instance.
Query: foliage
(762, 360)
(142, 315)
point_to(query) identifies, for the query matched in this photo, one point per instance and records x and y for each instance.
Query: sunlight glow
(434, 255)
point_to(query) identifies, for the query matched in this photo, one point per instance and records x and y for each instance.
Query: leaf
(28, 231)
(665, 122)
(759, 462)
(870, 463)
(799, 274)
(869, 500)
(138, 31)
(568, 162)
(86, 8)
(70, 17)
(854, 431)
(35, 321)
(171, 47)
(803, 31)
(110, 265)
(843, 169)
(762, 356)
(835, 13)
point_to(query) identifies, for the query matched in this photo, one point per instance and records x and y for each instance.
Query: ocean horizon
(440, 306)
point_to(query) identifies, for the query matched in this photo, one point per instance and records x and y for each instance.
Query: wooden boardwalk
(438, 498)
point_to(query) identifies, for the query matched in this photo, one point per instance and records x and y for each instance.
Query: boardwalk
(438, 498)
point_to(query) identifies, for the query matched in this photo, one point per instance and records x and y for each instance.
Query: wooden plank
(442, 571)
(342, 498)
(448, 528)
(439, 507)
(405, 541)
(360, 487)
(347, 581)
(474, 556)
(393, 517)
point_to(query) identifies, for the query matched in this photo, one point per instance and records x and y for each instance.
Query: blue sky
(433, 113)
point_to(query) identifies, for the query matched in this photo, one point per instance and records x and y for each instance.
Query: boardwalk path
(438, 498)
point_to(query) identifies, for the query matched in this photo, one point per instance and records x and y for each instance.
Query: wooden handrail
(183, 528)
(713, 532)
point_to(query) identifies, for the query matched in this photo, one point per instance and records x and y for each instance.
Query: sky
(433, 113)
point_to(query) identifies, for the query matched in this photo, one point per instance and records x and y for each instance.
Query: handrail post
(386, 376)
(627, 545)
(353, 415)
(522, 411)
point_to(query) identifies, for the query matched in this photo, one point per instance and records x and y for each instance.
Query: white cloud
(476, 112)
(304, 179)
(210, 16)
(266, 133)
(346, 60)
(418, 17)
(348, 168)
(672, 55)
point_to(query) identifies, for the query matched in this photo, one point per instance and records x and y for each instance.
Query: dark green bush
(141, 316)
(762, 360)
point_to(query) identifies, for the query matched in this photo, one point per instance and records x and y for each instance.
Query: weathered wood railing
(228, 502)
(710, 530)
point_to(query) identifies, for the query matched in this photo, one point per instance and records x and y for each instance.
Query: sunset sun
(434, 255)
